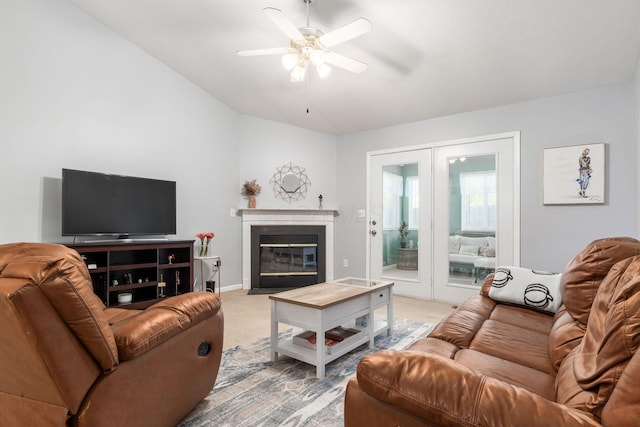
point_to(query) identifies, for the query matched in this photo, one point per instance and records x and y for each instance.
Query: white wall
(77, 95)
(265, 146)
(550, 235)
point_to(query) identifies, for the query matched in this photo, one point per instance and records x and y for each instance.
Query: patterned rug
(251, 390)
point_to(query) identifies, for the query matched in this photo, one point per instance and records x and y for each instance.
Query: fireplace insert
(287, 256)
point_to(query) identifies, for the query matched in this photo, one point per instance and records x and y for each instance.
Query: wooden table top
(324, 295)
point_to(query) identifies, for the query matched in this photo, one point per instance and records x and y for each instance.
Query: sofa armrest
(138, 334)
(444, 392)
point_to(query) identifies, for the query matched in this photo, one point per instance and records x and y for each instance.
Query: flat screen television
(100, 204)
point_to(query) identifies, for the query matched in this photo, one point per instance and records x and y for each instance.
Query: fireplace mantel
(274, 211)
(251, 217)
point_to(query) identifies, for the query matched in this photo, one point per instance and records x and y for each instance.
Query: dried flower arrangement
(251, 188)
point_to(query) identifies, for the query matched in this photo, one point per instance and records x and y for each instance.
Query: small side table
(407, 259)
(216, 263)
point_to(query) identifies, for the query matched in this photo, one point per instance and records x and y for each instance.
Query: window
(413, 202)
(478, 193)
(391, 202)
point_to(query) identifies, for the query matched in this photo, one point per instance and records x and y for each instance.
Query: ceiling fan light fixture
(323, 70)
(317, 57)
(310, 45)
(298, 73)
(290, 60)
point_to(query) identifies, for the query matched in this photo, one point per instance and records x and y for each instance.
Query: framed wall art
(574, 174)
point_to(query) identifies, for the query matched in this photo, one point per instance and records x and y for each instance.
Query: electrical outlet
(233, 212)
(345, 262)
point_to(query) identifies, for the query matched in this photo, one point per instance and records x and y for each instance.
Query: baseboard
(231, 287)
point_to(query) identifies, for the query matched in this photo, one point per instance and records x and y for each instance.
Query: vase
(252, 202)
(204, 249)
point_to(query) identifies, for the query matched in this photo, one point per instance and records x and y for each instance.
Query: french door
(476, 216)
(399, 233)
(440, 218)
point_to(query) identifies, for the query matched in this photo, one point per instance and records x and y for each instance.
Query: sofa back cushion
(589, 376)
(480, 242)
(564, 336)
(63, 278)
(469, 250)
(583, 275)
(623, 407)
(41, 359)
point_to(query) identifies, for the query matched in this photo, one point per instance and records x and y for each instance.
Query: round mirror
(290, 183)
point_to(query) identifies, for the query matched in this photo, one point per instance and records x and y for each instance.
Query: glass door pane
(399, 232)
(400, 221)
(472, 218)
(476, 211)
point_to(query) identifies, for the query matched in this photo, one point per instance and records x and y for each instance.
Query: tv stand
(149, 269)
(128, 240)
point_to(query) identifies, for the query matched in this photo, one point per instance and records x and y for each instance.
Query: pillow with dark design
(537, 290)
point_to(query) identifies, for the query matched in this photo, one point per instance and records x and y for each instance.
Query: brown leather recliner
(65, 359)
(493, 364)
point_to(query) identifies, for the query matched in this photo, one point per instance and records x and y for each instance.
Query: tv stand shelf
(137, 268)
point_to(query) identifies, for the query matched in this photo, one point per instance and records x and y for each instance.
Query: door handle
(373, 232)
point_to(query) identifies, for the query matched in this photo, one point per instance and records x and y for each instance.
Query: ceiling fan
(310, 45)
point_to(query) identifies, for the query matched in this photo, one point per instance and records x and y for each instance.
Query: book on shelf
(340, 334)
(335, 338)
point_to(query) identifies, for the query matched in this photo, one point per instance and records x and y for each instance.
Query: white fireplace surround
(251, 217)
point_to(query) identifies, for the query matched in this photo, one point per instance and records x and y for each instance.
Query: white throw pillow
(480, 242)
(454, 244)
(468, 250)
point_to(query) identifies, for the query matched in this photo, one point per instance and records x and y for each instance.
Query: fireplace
(287, 256)
(302, 222)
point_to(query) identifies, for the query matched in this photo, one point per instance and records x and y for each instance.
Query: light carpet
(251, 390)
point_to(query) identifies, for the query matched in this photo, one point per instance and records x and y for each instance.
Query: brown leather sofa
(65, 359)
(492, 364)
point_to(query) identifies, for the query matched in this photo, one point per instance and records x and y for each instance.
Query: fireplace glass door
(288, 259)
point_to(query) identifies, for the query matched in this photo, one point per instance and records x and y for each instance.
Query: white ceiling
(427, 58)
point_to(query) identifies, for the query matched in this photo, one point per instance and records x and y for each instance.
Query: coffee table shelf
(321, 307)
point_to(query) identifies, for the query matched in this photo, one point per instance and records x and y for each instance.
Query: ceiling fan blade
(350, 31)
(268, 51)
(345, 63)
(283, 23)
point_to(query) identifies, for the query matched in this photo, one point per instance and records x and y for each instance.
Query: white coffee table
(324, 306)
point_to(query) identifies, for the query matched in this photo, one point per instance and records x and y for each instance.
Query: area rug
(251, 390)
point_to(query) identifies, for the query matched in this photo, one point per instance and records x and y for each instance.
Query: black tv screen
(102, 204)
